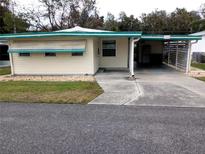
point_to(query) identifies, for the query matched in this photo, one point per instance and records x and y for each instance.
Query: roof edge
(170, 37)
(81, 34)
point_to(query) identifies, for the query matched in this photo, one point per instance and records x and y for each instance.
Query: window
(109, 48)
(50, 54)
(25, 54)
(77, 53)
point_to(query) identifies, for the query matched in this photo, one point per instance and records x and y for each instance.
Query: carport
(4, 56)
(171, 50)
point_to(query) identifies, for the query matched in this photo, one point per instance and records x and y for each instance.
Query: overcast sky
(135, 7)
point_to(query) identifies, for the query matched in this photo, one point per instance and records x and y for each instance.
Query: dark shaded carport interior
(4, 52)
(148, 53)
(153, 51)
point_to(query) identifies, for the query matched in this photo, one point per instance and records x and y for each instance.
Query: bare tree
(60, 14)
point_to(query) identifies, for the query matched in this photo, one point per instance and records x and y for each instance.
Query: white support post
(11, 59)
(168, 61)
(131, 57)
(11, 63)
(188, 64)
(177, 52)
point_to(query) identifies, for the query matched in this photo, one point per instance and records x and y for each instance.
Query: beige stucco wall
(156, 46)
(62, 64)
(121, 58)
(65, 63)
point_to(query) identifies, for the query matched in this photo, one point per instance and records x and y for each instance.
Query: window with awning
(48, 46)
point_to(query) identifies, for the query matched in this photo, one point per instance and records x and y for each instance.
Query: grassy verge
(5, 70)
(199, 65)
(201, 78)
(49, 92)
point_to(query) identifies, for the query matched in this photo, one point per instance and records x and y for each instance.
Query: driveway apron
(118, 89)
(154, 87)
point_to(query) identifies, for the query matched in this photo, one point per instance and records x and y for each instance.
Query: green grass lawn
(199, 65)
(5, 70)
(49, 92)
(201, 78)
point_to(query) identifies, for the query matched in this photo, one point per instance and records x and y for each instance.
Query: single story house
(83, 51)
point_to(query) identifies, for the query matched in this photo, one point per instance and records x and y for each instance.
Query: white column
(168, 61)
(188, 64)
(131, 57)
(11, 63)
(11, 58)
(177, 53)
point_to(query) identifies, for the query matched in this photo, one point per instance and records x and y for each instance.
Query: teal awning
(157, 37)
(45, 50)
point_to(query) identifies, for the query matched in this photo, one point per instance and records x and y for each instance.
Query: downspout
(189, 56)
(136, 40)
(131, 60)
(11, 62)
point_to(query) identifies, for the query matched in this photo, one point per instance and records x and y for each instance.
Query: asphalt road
(100, 129)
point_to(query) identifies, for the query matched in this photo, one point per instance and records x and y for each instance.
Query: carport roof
(170, 37)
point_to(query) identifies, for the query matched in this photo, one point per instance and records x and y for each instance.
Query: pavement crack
(137, 94)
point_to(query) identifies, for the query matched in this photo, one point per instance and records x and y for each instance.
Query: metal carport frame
(177, 49)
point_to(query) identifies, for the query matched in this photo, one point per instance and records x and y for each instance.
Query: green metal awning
(3, 42)
(153, 37)
(45, 50)
(69, 34)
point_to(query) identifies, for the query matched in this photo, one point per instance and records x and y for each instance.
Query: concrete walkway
(153, 87)
(118, 89)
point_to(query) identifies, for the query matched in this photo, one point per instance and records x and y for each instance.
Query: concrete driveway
(117, 88)
(153, 87)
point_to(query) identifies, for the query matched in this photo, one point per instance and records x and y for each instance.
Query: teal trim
(45, 50)
(169, 37)
(66, 34)
(134, 34)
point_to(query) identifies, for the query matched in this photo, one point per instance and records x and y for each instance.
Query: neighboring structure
(83, 51)
(200, 45)
(198, 57)
(198, 49)
(4, 55)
